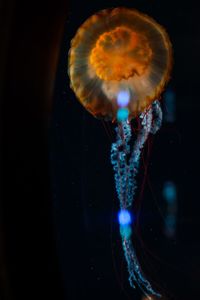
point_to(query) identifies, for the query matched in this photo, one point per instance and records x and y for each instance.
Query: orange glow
(119, 49)
(119, 54)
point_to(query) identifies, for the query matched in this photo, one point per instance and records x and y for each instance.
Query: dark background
(59, 226)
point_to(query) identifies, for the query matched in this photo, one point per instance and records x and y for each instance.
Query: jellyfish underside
(123, 52)
(119, 49)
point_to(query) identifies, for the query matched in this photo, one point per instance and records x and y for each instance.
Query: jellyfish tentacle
(135, 155)
(125, 165)
(157, 113)
(135, 273)
(119, 151)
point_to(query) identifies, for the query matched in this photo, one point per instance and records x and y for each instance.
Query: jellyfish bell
(119, 53)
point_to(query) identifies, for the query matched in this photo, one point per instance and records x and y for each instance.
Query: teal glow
(125, 231)
(169, 192)
(122, 114)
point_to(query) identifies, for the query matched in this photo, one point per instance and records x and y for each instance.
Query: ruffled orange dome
(119, 49)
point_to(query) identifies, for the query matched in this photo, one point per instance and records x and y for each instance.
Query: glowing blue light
(122, 114)
(169, 192)
(123, 98)
(124, 217)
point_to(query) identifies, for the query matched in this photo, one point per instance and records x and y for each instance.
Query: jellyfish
(119, 63)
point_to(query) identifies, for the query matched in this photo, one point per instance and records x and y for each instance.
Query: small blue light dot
(122, 114)
(169, 192)
(124, 217)
(123, 98)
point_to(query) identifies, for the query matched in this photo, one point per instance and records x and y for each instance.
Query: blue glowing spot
(123, 98)
(170, 221)
(122, 114)
(124, 217)
(170, 106)
(169, 192)
(125, 231)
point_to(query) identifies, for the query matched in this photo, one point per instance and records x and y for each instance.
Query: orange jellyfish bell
(117, 50)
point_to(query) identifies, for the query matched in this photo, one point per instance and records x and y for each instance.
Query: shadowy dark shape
(31, 35)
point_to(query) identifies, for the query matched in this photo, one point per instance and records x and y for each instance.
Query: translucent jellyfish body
(118, 50)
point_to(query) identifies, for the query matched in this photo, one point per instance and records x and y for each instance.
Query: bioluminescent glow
(169, 192)
(122, 114)
(169, 107)
(123, 98)
(125, 231)
(170, 197)
(125, 220)
(124, 217)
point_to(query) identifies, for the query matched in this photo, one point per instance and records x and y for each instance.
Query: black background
(67, 244)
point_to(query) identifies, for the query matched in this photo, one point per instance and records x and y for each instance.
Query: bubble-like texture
(119, 49)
